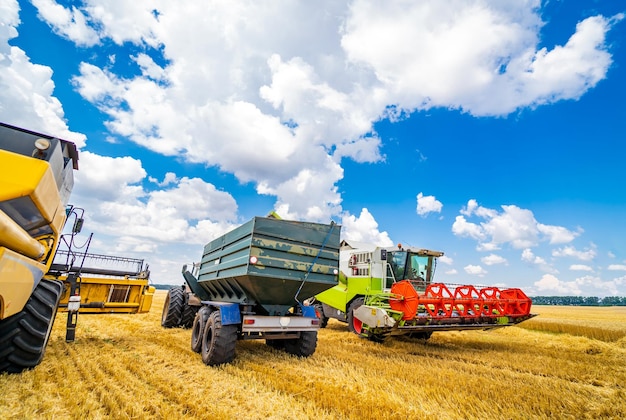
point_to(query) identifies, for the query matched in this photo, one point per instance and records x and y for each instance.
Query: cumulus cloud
(570, 251)
(580, 267)
(475, 270)
(26, 88)
(493, 259)
(428, 204)
(445, 260)
(186, 210)
(69, 23)
(364, 229)
(586, 285)
(617, 267)
(513, 225)
(551, 284)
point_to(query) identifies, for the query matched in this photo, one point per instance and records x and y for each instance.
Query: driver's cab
(417, 266)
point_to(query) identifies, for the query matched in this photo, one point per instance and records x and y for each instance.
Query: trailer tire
(189, 315)
(26, 334)
(197, 329)
(173, 308)
(304, 346)
(218, 341)
(354, 325)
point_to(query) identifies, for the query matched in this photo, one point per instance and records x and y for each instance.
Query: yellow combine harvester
(36, 179)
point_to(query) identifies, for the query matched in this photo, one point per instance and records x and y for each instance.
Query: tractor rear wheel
(304, 346)
(218, 341)
(173, 308)
(197, 329)
(25, 334)
(354, 324)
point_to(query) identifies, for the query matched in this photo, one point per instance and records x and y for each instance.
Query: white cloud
(569, 251)
(364, 229)
(529, 257)
(617, 267)
(551, 284)
(427, 204)
(493, 259)
(462, 227)
(580, 267)
(71, 24)
(586, 285)
(475, 270)
(186, 209)
(26, 88)
(445, 260)
(514, 226)
(479, 56)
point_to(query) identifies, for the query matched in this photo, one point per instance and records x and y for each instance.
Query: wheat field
(569, 362)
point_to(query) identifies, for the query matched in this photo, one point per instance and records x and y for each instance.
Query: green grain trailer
(251, 283)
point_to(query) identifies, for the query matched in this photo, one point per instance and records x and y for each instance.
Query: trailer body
(255, 280)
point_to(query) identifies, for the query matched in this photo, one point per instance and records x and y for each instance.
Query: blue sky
(490, 130)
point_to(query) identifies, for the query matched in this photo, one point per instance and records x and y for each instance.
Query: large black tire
(173, 308)
(218, 341)
(197, 329)
(354, 325)
(188, 315)
(319, 309)
(25, 335)
(303, 346)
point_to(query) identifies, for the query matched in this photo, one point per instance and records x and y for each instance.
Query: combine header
(391, 292)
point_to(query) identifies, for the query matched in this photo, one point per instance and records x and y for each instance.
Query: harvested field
(567, 363)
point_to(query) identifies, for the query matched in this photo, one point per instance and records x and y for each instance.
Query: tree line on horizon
(579, 300)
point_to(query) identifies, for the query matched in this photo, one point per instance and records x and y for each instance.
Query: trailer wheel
(173, 308)
(26, 334)
(198, 328)
(354, 324)
(189, 315)
(319, 308)
(303, 346)
(218, 341)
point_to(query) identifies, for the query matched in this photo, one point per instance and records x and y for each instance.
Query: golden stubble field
(570, 363)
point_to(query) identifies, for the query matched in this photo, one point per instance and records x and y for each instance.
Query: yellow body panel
(21, 176)
(111, 295)
(18, 277)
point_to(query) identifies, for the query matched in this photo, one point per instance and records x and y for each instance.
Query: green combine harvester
(391, 291)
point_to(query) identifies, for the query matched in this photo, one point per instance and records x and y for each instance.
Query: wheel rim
(357, 325)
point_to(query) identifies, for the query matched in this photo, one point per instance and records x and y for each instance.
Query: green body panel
(294, 260)
(340, 296)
